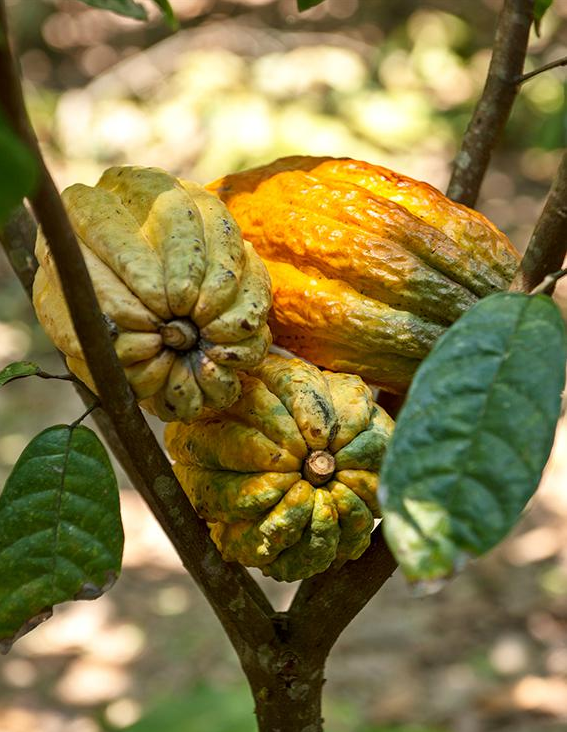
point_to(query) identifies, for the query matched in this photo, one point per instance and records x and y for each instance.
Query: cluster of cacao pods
(354, 268)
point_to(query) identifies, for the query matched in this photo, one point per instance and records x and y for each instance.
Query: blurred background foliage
(243, 82)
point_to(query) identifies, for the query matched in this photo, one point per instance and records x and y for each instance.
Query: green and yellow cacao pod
(287, 477)
(368, 267)
(186, 299)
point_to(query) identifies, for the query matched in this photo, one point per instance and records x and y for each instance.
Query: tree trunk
(287, 685)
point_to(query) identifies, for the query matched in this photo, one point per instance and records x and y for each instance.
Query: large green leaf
(61, 536)
(306, 4)
(18, 171)
(540, 8)
(474, 435)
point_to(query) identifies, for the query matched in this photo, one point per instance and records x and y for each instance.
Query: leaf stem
(85, 414)
(546, 287)
(62, 377)
(494, 106)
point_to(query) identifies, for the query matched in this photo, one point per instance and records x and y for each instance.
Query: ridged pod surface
(186, 299)
(287, 477)
(368, 266)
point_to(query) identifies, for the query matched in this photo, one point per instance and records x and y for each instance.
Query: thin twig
(60, 377)
(493, 109)
(237, 600)
(552, 65)
(549, 281)
(85, 414)
(548, 245)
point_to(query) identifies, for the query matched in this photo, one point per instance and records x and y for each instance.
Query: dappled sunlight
(547, 695)
(89, 681)
(509, 655)
(123, 712)
(15, 342)
(145, 543)
(73, 628)
(257, 81)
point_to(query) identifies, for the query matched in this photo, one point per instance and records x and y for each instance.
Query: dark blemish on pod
(323, 406)
(246, 325)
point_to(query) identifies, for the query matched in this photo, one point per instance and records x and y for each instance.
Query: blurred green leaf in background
(18, 171)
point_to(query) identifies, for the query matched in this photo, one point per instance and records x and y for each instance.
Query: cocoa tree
(283, 654)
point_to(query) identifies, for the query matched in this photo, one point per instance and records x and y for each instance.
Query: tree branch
(493, 109)
(237, 600)
(548, 245)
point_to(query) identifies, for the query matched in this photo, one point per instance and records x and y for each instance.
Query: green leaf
(167, 10)
(18, 171)
(540, 8)
(18, 370)
(474, 435)
(61, 535)
(132, 9)
(306, 4)
(129, 8)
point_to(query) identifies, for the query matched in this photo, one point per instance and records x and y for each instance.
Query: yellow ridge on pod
(368, 266)
(166, 260)
(287, 477)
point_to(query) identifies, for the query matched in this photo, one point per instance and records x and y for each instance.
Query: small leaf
(167, 11)
(61, 533)
(474, 435)
(306, 4)
(132, 9)
(129, 8)
(540, 8)
(18, 370)
(18, 171)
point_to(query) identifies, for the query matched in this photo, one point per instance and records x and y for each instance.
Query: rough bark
(493, 108)
(287, 683)
(548, 244)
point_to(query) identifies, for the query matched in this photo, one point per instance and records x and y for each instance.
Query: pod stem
(319, 467)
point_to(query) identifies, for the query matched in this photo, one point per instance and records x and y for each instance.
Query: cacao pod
(368, 267)
(185, 298)
(287, 477)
